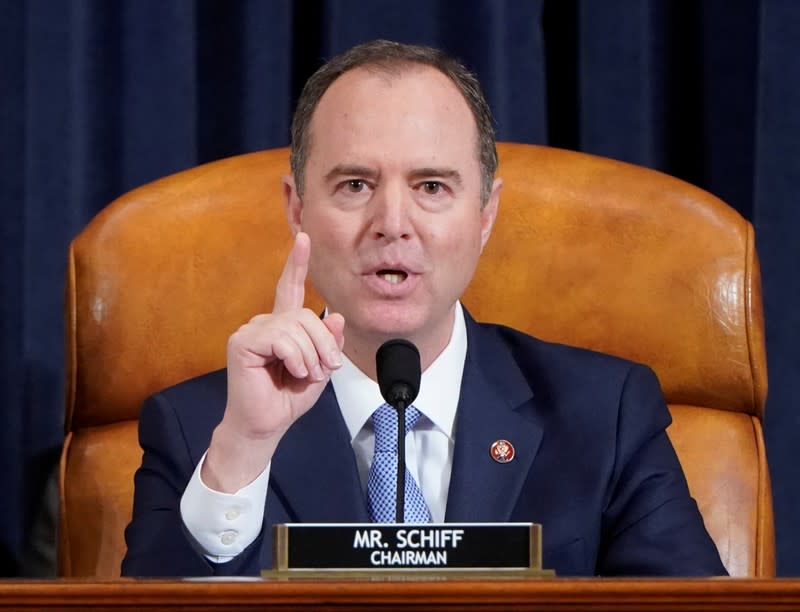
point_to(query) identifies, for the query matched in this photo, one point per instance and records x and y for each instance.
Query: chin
(388, 323)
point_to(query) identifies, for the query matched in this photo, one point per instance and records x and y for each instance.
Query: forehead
(414, 112)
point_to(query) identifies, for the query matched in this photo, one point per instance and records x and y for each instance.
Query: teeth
(393, 277)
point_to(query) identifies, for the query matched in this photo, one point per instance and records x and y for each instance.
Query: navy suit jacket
(593, 465)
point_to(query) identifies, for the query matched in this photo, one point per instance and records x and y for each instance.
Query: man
(392, 198)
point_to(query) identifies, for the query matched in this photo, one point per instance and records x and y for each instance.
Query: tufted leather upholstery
(586, 251)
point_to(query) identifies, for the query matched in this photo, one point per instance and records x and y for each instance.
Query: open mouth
(395, 277)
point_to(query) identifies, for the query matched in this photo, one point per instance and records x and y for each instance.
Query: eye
(355, 185)
(432, 187)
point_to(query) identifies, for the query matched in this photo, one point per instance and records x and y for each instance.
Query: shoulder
(566, 379)
(198, 396)
(211, 386)
(190, 409)
(553, 360)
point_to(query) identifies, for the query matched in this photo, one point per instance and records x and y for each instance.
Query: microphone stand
(401, 462)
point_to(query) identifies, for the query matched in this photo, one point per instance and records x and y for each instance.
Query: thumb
(335, 324)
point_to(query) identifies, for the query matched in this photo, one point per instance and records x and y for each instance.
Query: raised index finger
(290, 290)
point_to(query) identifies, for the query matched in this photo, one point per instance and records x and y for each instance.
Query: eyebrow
(418, 173)
(351, 170)
(447, 173)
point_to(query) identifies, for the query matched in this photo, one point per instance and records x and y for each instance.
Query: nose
(391, 212)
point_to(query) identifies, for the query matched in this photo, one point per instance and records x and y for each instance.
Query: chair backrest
(586, 251)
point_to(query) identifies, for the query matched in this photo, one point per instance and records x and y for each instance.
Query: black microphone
(399, 372)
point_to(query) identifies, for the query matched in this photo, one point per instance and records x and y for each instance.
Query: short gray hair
(393, 56)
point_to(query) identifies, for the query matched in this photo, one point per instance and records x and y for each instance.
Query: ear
(489, 212)
(293, 202)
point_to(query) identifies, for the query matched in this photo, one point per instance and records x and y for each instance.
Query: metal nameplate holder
(485, 550)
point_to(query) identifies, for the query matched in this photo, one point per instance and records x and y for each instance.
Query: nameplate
(407, 547)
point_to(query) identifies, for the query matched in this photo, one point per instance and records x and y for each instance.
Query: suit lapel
(495, 403)
(314, 469)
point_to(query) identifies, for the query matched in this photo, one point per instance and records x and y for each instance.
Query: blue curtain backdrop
(99, 96)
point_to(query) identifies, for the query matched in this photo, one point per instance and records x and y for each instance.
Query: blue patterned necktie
(382, 482)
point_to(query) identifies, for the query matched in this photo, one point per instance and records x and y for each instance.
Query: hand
(278, 365)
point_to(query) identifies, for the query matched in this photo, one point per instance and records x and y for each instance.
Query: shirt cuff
(223, 524)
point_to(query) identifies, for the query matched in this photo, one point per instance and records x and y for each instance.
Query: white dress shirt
(223, 524)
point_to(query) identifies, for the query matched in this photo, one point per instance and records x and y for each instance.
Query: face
(392, 206)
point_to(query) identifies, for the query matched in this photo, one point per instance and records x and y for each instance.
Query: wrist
(234, 460)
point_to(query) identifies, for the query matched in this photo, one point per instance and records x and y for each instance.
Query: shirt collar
(359, 396)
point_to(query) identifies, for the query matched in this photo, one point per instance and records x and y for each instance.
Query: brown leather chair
(586, 251)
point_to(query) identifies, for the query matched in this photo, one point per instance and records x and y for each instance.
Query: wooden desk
(457, 595)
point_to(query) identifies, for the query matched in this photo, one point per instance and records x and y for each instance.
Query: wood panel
(722, 594)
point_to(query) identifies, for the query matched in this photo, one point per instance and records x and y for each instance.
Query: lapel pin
(502, 451)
